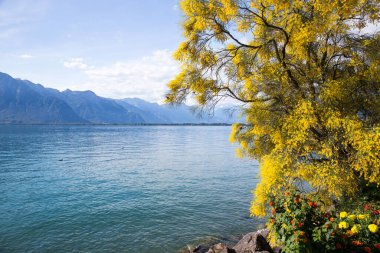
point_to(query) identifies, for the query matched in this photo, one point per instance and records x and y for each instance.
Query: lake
(121, 188)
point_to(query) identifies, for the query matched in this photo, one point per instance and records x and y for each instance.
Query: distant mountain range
(24, 102)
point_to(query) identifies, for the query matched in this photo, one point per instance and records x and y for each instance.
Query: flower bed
(300, 223)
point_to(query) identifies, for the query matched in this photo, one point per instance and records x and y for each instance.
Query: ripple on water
(121, 188)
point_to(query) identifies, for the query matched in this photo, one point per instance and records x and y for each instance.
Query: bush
(302, 223)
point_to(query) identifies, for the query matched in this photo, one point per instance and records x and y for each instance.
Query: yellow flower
(352, 217)
(343, 215)
(343, 224)
(284, 225)
(355, 229)
(373, 228)
(361, 216)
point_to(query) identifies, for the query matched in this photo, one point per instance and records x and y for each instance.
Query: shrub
(302, 223)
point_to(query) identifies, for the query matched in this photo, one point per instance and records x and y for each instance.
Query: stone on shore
(254, 242)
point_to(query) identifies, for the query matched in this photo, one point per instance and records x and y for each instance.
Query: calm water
(121, 188)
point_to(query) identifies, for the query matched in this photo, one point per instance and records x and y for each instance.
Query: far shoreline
(115, 124)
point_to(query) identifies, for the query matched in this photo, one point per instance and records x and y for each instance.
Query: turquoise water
(121, 188)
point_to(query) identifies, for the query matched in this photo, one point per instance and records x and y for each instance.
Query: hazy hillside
(20, 103)
(24, 102)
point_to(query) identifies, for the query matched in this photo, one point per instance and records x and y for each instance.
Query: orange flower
(287, 194)
(367, 249)
(327, 226)
(292, 222)
(302, 233)
(310, 203)
(273, 211)
(357, 243)
(349, 233)
(331, 219)
(271, 203)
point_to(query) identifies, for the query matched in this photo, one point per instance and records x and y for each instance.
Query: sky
(116, 48)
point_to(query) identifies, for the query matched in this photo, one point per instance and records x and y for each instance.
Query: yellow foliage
(310, 87)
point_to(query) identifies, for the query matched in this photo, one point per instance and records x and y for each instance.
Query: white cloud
(26, 56)
(75, 63)
(145, 77)
(371, 28)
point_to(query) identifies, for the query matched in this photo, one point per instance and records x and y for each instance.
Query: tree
(309, 81)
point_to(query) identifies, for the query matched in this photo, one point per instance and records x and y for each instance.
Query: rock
(264, 232)
(220, 248)
(200, 249)
(253, 243)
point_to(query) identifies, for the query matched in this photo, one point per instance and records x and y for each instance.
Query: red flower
(315, 204)
(367, 207)
(367, 249)
(339, 246)
(376, 212)
(343, 236)
(377, 246)
(301, 224)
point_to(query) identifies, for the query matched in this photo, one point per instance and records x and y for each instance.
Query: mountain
(20, 103)
(24, 102)
(97, 109)
(178, 114)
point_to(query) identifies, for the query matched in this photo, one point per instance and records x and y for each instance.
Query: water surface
(120, 188)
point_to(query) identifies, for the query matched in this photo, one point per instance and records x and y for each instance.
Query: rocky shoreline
(254, 242)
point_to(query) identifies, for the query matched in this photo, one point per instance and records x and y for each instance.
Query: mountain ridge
(25, 102)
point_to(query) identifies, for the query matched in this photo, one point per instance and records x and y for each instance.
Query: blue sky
(117, 48)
